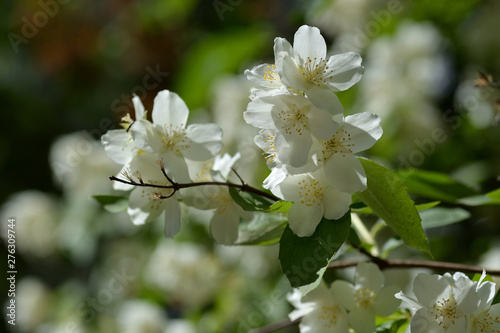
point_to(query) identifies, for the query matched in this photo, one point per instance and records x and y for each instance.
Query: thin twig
(177, 186)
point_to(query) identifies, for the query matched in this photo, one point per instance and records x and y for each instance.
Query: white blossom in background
(319, 310)
(367, 298)
(313, 198)
(37, 222)
(176, 269)
(141, 316)
(79, 164)
(446, 303)
(406, 73)
(172, 139)
(34, 298)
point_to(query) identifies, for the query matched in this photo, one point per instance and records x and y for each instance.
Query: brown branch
(410, 263)
(177, 186)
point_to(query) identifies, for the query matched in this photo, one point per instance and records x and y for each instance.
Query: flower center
(221, 200)
(271, 75)
(445, 311)
(175, 139)
(310, 192)
(364, 297)
(338, 144)
(155, 194)
(329, 314)
(316, 71)
(294, 120)
(270, 150)
(487, 323)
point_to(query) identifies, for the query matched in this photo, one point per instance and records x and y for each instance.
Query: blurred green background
(68, 70)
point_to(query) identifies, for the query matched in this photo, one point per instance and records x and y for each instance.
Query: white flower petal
(206, 141)
(296, 150)
(303, 219)
(170, 110)
(145, 136)
(224, 226)
(175, 166)
(140, 113)
(172, 216)
(364, 129)
(141, 208)
(291, 75)
(321, 123)
(343, 291)
(428, 288)
(258, 114)
(346, 71)
(324, 98)
(361, 320)
(386, 303)
(119, 146)
(281, 47)
(265, 76)
(345, 172)
(369, 276)
(336, 203)
(308, 43)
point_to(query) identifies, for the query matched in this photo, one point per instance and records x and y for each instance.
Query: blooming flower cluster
(452, 303)
(344, 304)
(167, 150)
(308, 143)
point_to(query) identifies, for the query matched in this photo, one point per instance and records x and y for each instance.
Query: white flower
(442, 302)
(227, 213)
(357, 133)
(172, 140)
(367, 298)
(147, 203)
(486, 318)
(308, 69)
(319, 310)
(294, 118)
(313, 198)
(119, 144)
(141, 316)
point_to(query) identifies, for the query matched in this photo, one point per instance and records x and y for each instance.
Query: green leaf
(441, 216)
(249, 201)
(496, 299)
(112, 203)
(264, 229)
(387, 196)
(427, 205)
(391, 326)
(302, 258)
(491, 198)
(279, 207)
(434, 185)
